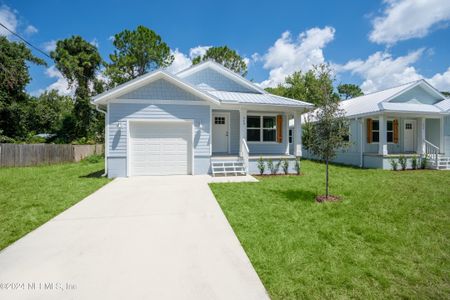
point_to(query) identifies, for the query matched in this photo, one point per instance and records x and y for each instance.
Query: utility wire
(25, 41)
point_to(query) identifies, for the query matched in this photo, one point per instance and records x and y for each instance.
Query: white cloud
(441, 81)
(61, 84)
(95, 43)
(381, 70)
(9, 19)
(49, 46)
(406, 19)
(287, 56)
(31, 30)
(198, 51)
(181, 61)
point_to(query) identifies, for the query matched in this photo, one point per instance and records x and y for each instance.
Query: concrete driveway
(135, 238)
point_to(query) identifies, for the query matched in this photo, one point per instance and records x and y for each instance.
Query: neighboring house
(205, 119)
(411, 119)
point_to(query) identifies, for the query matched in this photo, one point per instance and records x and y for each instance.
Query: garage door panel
(160, 148)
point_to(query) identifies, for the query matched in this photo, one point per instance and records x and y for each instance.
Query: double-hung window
(261, 128)
(375, 131)
(390, 131)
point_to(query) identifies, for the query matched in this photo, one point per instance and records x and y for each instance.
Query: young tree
(226, 57)
(79, 62)
(348, 90)
(137, 52)
(14, 76)
(328, 127)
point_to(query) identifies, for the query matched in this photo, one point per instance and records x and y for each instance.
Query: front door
(220, 128)
(408, 133)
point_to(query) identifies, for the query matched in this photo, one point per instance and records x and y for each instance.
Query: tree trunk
(326, 179)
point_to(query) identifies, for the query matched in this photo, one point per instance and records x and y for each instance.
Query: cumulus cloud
(198, 51)
(441, 81)
(9, 19)
(95, 43)
(49, 46)
(181, 61)
(406, 19)
(61, 85)
(288, 55)
(30, 29)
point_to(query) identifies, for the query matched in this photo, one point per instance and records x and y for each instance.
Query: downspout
(97, 108)
(361, 145)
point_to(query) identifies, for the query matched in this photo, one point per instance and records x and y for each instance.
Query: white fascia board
(146, 79)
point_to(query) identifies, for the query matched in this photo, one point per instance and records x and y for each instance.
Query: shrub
(92, 159)
(394, 164)
(261, 166)
(414, 163)
(297, 165)
(424, 162)
(273, 167)
(285, 166)
(403, 161)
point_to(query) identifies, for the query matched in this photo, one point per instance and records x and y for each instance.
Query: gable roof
(146, 79)
(222, 70)
(380, 101)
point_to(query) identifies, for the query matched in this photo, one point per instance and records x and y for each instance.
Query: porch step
(228, 167)
(443, 163)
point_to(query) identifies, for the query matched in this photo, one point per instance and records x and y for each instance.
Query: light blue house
(410, 120)
(205, 119)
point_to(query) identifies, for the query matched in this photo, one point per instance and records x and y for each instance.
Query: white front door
(409, 131)
(220, 132)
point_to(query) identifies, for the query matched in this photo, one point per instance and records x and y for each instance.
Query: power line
(25, 41)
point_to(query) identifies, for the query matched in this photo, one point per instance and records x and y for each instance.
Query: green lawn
(31, 196)
(388, 238)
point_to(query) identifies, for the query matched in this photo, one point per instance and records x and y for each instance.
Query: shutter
(279, 128)
(369, 131)
(395, 125)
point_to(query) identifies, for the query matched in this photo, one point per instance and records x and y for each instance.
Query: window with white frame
(375, 131)
(261, 128)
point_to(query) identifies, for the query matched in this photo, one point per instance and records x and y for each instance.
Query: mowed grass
(31, 196)
(388, 238)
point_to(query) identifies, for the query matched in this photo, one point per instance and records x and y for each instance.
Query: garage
(160, 148)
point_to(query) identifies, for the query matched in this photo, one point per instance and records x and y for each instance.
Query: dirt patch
(330, 198)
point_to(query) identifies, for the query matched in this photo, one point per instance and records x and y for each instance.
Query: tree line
(72, 119)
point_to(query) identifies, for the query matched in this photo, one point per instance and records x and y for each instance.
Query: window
(375, 131)
(390, 131)
(219, 120)
(408, 126)
(290, 136)
(261, 128)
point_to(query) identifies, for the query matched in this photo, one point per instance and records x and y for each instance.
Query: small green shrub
(394, 164)
(414, 163)
(424, 162)
(402, 160)
(297, 165)
(285, 166)
(261, 166)
(92, 159)
(273, 167)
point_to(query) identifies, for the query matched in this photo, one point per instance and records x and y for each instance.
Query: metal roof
(253, 98)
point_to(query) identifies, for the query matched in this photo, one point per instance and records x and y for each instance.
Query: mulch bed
(331, 198)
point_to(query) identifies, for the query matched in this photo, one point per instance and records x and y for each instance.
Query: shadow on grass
(299, 195)
(96, 174)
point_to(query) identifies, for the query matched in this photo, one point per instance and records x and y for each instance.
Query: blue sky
(376, 44)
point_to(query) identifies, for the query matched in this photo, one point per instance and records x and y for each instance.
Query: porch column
(382, 145)
(441, 136)
(286, 133)
(242, 128)
(297, 134)
(421, 136)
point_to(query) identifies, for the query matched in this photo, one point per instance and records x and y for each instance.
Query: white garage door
(160, 148)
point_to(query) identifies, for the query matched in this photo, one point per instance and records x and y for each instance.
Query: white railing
(432, 151)
(245, 154)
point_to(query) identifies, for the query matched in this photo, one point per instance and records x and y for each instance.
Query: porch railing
(245, 154)
(432, 151)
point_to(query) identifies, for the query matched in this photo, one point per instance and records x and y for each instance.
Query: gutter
(97, 108)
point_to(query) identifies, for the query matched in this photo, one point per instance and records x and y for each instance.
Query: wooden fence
(22, 155)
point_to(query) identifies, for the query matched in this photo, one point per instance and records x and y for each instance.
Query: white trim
(261, 128)
(442, 136)
(154, 101)
(146, 79)
(161, 121)
(414, 134)
(227, 117)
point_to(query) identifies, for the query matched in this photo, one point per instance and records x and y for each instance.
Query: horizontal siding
(161, 90)
(119, 113)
